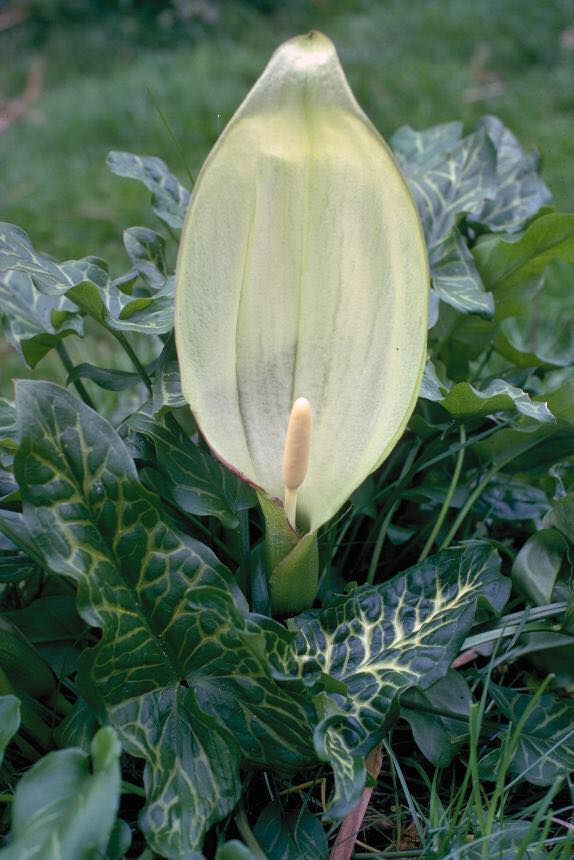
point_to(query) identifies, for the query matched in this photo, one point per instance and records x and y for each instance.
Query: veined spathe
(302, 273)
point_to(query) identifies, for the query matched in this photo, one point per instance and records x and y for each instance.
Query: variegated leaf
(8, 424)
(486, 176)
(463, 400)
(457, 181)
(167, 388)
(8, 445)
(520, 190)
(34, 323)
(432, 388)
(449, 177)
(455, 277)
(17, 253)
(383, 640)
(167, 392)
(545, 748)
(146, 314)
(87, 284)
(190, 478)
(169, 197)
(181, 670)
(416, 150)
(146, 250)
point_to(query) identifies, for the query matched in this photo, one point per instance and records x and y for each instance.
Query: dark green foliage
(134, 582)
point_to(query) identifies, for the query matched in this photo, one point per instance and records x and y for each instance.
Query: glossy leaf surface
(512, 268)
(193, 693)
(64, 807)
(190, 478)
(543, 332)
(34, 323)
(383, 640)
(87, 286)
(464, 400)
(437, 736)
(295, 835)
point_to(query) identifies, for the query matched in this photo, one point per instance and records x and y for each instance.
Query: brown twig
(11, 109)
(12, 16)
(351, 826)
(464, 658)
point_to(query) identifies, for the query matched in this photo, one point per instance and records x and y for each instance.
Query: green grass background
(420, 62)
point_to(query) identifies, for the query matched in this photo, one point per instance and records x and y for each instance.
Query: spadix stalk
(302, 273)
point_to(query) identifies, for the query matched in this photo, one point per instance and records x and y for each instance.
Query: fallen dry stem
(12, 109)
(351, 826)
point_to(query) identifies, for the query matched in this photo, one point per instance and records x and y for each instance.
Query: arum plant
(301, 303)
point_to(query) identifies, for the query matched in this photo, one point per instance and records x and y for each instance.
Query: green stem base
(292, 561)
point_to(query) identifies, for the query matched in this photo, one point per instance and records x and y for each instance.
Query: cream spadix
(296, 454)
(302, 268)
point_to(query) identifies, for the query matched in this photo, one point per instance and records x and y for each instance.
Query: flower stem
(290, 505)
(379, 543)
(130, 788)
(247, 833)
(468, 505)
(126, 346)
(388, 518)
(77, 383)
(448, 498)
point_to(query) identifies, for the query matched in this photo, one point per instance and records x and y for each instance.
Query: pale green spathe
(302, 272)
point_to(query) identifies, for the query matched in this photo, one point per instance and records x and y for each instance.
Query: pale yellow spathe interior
(302, 272)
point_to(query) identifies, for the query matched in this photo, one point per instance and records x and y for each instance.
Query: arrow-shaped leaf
(520, 190)
(169, 197)
(463, 400)
(180, 669)
(87, 284)
(456, 279)
(449, 178)
(383, 640)
(191, 478)
(35, 323)
(545, 748)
